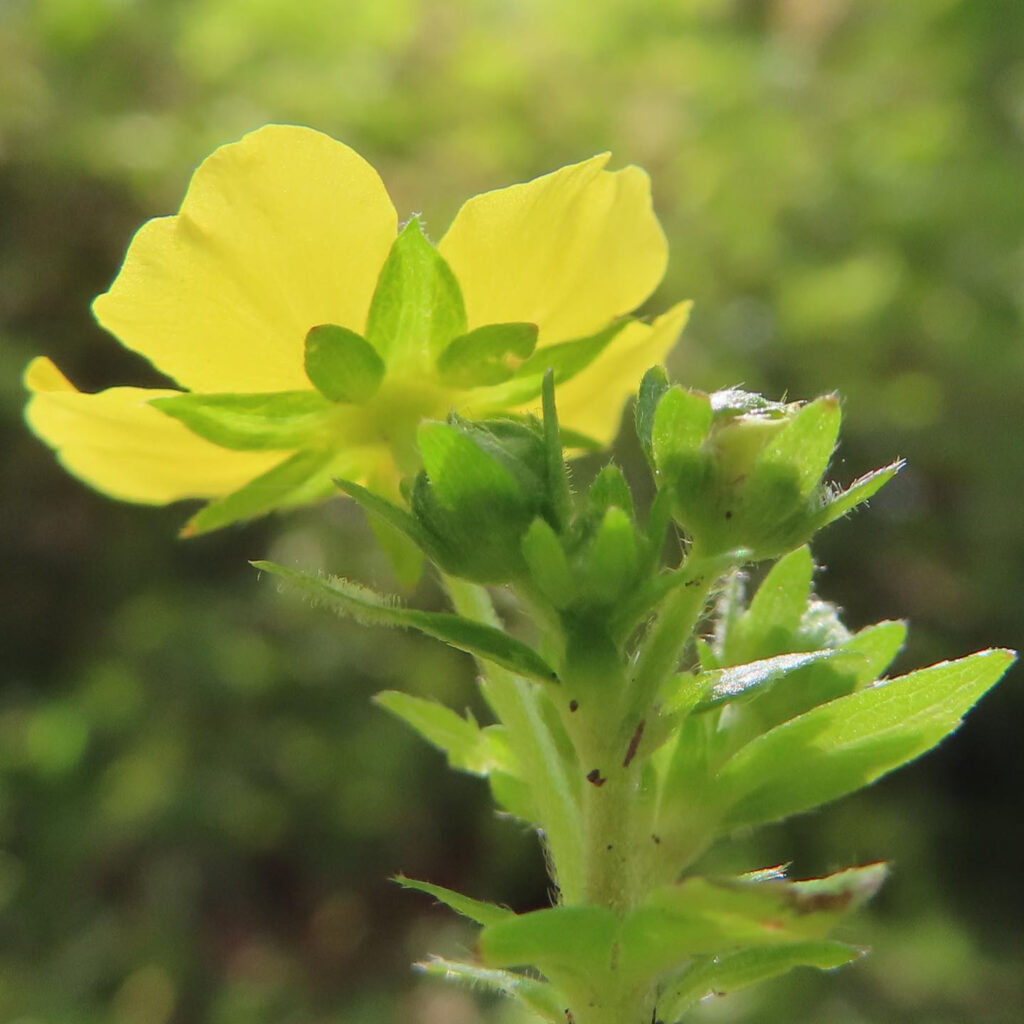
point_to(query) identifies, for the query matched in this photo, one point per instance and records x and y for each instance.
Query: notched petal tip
(569, 251)
(116, 442)
(282, 230)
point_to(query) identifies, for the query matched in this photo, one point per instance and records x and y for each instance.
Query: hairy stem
(519, 704)
(671, 631)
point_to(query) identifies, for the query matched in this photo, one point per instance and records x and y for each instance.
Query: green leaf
(462, 475)
(417, 307)
(727, 684)
(485, 356)
(538, 996)
(841, 892)
(802, 449)
(872, 650)
(468, 747)
(515, 796)
(342, 364)
(370, 608)
(280, 420)
(611, 558)
(476, 910)
(572, 941)
(706, 916)
(775, 613)
(290, 482)
(849, 742)
(858, 492)
(702, 917)
(719, 976)
(609, 489)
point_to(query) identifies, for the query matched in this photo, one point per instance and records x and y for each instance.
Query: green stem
(609, 866)
(672, 631)
(524, 709)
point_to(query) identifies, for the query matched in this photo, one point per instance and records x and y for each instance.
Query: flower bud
(482, 486)
(744, 473)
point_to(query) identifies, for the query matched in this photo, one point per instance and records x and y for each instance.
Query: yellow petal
(124, 447)
(280, 232)
(592, 402)
(568, 251)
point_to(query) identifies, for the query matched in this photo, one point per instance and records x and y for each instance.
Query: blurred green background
(198, 803)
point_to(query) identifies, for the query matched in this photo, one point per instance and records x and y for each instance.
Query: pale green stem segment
(672, 630)
(610, 878)
(519, 705)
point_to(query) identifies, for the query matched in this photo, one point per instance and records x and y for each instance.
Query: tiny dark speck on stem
(595, 778)
(574, 705)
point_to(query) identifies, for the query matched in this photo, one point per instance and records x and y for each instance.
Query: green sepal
(272, 421)
(476, 910)
(846, 744)
(547, 563)
(384, 510)
(417, 307)
(462, 475)
(557, 473)
(565, 360)
(482, 486)
(863, 488)
(467, 747)
(721, 975)
(652, 387)
(343, 365)
(796, 457)
(404, 554)
(568, 358)
(488, 355)
(296, 480)
(538, 996)
(681, 425)
(373, 609)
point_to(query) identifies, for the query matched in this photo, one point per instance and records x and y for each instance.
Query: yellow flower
(309, 336)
